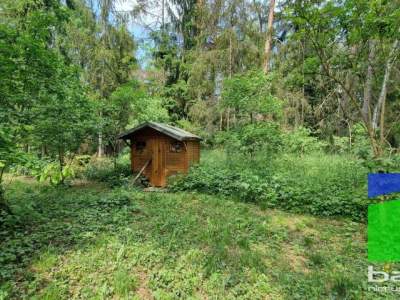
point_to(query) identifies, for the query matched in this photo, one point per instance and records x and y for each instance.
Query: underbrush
(93, 242)
(321, 184)
(112, 171)
(317, 183)
(56, 217)
(105, 170)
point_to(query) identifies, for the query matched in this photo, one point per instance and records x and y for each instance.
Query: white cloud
(125, 5)
(151, 12)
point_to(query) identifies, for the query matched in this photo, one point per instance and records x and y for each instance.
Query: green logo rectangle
(384, 232)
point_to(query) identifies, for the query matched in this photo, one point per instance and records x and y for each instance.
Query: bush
(319, 184)
(244, 186)
(31, 166)
(300, 141)
(251, 139)
(53, 173)
(104, 170)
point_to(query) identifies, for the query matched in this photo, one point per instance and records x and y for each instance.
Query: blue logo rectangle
(383, 184)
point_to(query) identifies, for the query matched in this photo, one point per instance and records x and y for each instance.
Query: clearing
(89, 241)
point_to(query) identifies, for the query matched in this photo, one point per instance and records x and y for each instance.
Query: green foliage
(43, 102)
(257, 138)
(176, 99)
(66, 119)
(9, 154)
(29, 68)
(262, 136)
(132, 104)
(244, 185)
(104, 170)
(360, 145)
(340, 145)
(123, 243)
(356, 143)
(318, 183)
(387, 164)
(321, 184)
(53, 173)
(149, 108)
(251, 93)
(300, 141)
(41, 210)
(192, 127)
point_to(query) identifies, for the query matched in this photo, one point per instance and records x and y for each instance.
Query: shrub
(300, 141)
(386, 164)
(53, 173)
(31, 166)
(261, 139)
(319, 184)
(264, 136)
(46, 168)
(244, 186)
(361, 145)
(104, 170)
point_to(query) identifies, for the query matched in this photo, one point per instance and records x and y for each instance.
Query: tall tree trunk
(3, 203)
(258, 8)
(100, 151)
(100, 136)
(230, 53)
(382, 96)
(382, 125)
(268, 40)
(228, 112)
(61, 160)
(162, 15)
(368, 83)
(344, 104)
(228, 117)
(100, 145)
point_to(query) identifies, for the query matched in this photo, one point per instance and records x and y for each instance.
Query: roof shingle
(172, 131)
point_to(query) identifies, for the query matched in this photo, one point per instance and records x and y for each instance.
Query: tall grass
(316, 183)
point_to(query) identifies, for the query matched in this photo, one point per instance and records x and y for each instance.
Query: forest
(296, 102)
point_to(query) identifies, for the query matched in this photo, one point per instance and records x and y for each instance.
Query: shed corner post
(187, 163)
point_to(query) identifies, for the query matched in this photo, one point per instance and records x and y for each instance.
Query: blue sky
(140, 27)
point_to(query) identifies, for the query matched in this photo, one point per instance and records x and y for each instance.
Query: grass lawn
(91, 242)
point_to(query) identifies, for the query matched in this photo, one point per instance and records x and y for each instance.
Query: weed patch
(95, 242)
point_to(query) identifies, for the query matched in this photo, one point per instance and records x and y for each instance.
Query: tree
(352, 25)
(98, 40)
(27, 67)
(268, 39)
(64, 118)
(251, 97)
(129, 105)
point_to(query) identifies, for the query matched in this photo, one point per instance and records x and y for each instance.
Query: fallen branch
(141, 171)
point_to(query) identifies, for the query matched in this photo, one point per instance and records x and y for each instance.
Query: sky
(140, 26)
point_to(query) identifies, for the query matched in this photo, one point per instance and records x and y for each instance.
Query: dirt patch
(296, 261)
(143, 290)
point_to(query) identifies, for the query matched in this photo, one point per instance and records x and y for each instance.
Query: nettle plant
(54, 174)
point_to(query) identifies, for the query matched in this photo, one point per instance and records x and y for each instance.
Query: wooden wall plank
(164, 161)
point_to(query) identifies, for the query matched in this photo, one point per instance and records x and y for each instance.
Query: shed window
(176, 146)
(140, 145)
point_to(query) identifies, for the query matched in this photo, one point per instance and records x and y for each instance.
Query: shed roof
(172, 131)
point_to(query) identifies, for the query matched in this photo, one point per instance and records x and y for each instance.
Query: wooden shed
(161, 150)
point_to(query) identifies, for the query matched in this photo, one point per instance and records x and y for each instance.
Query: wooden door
(158, 163)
